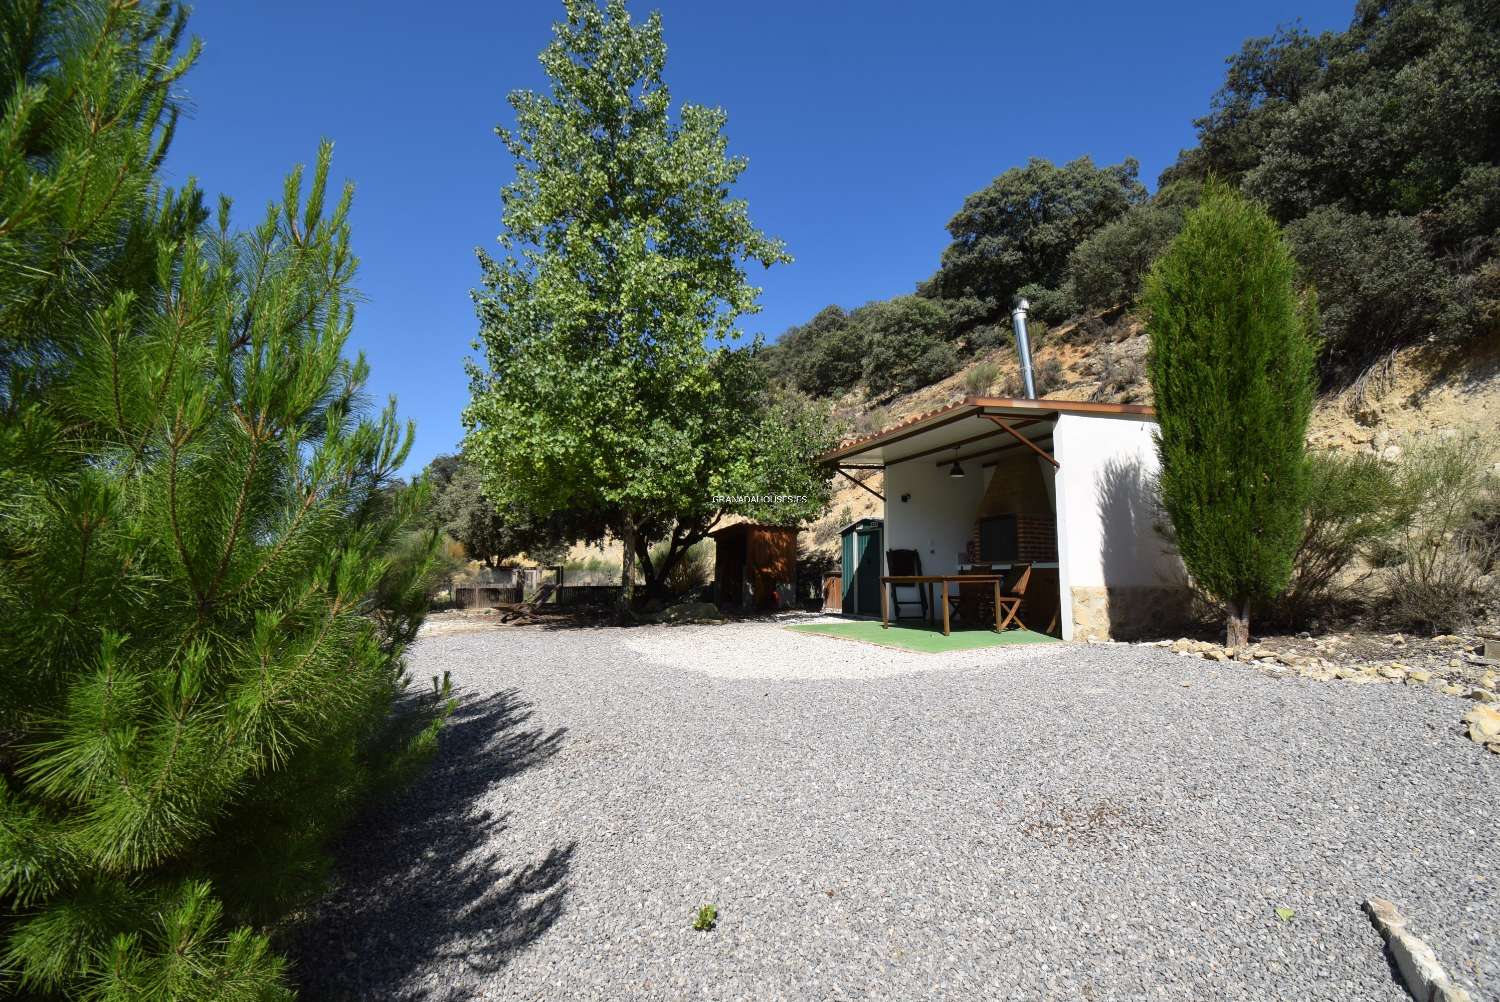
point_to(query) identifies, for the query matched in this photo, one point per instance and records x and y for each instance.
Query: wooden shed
(755, 566)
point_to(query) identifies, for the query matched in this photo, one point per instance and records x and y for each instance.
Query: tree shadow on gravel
(423, 891)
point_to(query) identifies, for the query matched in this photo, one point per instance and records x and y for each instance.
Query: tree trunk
(656, 573)
(1237, 625)
(627, 568)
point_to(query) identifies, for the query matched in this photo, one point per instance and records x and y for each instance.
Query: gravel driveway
(1059, 822)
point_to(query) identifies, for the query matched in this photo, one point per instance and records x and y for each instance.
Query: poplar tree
(1233, 369)
(611, 385)
(207, 572)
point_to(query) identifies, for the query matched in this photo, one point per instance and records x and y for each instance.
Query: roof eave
(970, 406)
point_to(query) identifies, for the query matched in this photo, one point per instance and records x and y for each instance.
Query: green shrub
(1378, 285)
(210, 574)
(1107, 269)
(1353, 508)
(823, 357)
(1048, 306)
(1440, 566)
(908, 345)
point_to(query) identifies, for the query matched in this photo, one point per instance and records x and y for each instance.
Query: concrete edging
(1418, 964)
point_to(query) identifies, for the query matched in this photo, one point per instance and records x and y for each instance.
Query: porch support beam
(859, 483)
(950, 460)
(996, 453)
(1022, 438)
(956, 445)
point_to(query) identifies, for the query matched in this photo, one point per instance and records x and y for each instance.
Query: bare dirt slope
(1423, 390)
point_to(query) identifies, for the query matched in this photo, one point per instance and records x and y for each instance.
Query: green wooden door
(846, 569)
(869, 569)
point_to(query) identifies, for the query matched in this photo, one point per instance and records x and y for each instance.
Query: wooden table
(944, 579)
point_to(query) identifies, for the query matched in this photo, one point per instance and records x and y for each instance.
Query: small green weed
(1285, 914)
(708, 917)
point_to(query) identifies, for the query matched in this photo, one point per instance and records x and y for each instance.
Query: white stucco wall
(1105, 508)
(938, 519)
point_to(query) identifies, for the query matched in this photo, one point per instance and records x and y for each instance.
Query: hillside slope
(1423, 390)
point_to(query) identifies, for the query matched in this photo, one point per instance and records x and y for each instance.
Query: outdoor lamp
(955, 470)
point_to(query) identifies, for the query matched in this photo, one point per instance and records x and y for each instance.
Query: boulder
(690, 612)
(1484, 723)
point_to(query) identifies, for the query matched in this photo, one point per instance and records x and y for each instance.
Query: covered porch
(990, 485)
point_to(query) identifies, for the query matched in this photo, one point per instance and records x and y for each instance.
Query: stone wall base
(1106, 612)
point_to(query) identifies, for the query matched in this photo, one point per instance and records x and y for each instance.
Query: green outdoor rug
(923, 640)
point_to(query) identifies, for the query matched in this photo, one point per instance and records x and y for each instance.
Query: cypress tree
(1232, 367)
(208, 575)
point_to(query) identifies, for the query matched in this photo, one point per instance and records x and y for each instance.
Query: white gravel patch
(1047, 822)
(762, 650)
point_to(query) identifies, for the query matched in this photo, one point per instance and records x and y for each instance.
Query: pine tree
(207, 574)
(1232, 366)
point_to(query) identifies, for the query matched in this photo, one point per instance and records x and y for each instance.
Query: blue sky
(866, 124)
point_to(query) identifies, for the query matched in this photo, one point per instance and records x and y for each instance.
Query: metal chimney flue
(1023, 346)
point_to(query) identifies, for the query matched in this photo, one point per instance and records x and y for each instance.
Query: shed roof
(968, 423)
(750, 526)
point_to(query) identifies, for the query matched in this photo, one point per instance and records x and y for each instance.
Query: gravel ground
(1060, 822)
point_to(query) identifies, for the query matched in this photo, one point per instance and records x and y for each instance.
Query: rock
(1452, 690)
(1417, 964)
(1484, 724)
(1393, 672)
(687, 612)
(1417, 676)
(1482, 696)
(1347, 674)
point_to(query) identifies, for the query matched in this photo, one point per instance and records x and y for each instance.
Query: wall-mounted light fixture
(905, 498)
(955, 470)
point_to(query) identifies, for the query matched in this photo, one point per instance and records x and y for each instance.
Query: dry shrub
(1122, 376)
(981, 378)
(1440, 566)
(1047, 376)
(1353, 508)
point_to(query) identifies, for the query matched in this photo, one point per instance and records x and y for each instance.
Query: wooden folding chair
(905, 563)
(1012, 592)
(975, 603)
